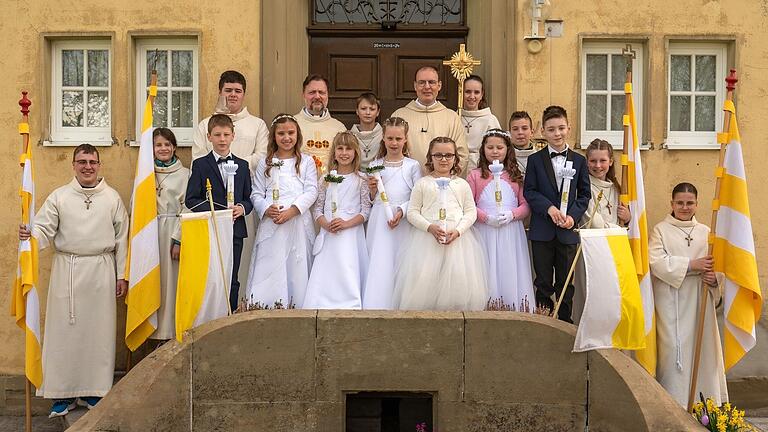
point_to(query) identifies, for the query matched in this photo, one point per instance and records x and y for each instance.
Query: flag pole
(575, 260)
(730, 86)
(209, 194)
(629, 55)
(24, 132)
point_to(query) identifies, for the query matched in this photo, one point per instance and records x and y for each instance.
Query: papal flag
(613, 309)
(143, 268)
(25, 301)
(205, 269)
(734, 248)
(638, 235)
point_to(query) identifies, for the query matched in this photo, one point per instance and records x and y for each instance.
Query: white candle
(276, 181)
(442, 185)
(230, 169)
(383, 195)
(568, 174)
(334, 195)
(496, 169)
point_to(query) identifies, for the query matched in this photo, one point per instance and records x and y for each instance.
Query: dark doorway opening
(388, 411)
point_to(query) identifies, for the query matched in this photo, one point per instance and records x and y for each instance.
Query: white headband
(496, 132)
(282, 116)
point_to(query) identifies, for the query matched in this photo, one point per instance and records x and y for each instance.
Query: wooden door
(384, 64)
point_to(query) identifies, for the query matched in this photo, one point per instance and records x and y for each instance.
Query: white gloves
(493, 221)
(506, 217)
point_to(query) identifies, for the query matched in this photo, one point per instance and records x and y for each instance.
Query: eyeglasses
(424, 83)
(443, 156)
(83, 162)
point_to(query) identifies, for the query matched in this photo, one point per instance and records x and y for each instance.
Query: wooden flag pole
(575, 260)
(731, 81)
(24, 131)
(209, 194)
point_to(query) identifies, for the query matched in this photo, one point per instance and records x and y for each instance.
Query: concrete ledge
(289, 370)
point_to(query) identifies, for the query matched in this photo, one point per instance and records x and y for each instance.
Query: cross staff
(461, 64)
(629, 55)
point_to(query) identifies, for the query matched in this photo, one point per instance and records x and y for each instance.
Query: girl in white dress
(384, 237)
(284, 189)
(171, 186)
(442, 266)
(341, 258)
(499, 225)
(476, 117)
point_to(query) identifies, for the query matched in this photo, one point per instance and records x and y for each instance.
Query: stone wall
(289, 371)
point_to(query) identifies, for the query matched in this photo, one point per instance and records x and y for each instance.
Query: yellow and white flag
(25, 301)
(613, 309)
(143, 267)
(638, 235)
(734, 249)
(205, 269)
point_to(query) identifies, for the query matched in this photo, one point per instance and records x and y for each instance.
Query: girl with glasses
(442, 266)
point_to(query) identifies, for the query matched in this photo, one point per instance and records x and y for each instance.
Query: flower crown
(282, 116)
(497, 132)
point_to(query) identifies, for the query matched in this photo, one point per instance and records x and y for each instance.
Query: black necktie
(553, 155)
(222, 160)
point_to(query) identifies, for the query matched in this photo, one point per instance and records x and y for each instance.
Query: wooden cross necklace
(468, 123)
(87, 200)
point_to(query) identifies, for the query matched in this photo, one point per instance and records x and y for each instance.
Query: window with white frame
(603, 74)
(81, 92)
(696, 91)
(176, 63)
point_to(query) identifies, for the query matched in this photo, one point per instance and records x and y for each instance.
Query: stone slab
(536, 347)
(267, 416)
(389, 351)
(509, 417)
(259, 356)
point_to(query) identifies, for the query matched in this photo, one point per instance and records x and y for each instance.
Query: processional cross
(461, 64)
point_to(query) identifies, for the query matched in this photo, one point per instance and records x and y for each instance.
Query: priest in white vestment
(681, 270)
(87, 224)
(317, 126)
(250, 142)
(428, 118)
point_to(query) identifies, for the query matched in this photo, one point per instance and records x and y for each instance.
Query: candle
(334, 195)
(276, 182)
(442, 185)
(383, 195)
(496, 169)
(230, 169)
(568, 174)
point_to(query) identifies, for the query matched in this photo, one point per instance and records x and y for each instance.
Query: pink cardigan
(477, 183)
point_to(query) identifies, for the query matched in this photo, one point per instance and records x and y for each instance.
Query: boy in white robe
(87, 224)
(681, 270)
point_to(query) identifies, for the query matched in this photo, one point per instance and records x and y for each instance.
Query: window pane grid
(85, 106)
(698, 119)
(608, 122)
(174, 71)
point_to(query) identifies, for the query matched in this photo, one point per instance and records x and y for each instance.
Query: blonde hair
(347, 139)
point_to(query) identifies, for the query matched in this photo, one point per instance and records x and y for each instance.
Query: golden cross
(461, 64)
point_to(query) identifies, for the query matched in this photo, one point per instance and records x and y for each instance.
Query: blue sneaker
(61, 407)
(88, 401)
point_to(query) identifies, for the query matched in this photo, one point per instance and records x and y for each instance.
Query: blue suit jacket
(206, 168)
(541, 192)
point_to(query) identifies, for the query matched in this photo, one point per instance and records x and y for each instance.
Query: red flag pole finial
(24, 102)
(731, 80)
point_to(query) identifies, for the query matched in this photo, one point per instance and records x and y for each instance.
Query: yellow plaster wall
(229, 37)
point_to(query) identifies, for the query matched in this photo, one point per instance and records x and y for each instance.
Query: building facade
(85, 65)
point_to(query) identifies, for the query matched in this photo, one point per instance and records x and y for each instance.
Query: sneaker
(61, 407)
(88, 401)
